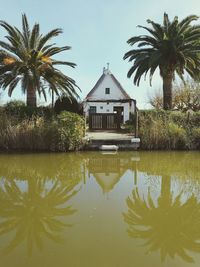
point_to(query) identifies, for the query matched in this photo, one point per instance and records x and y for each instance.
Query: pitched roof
(96, 86)
(120, 87)
(114, 80)
(108, 182)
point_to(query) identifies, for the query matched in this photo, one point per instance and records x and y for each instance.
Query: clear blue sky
(97, 31)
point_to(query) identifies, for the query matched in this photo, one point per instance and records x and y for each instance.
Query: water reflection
(39, 193)
(63, 167)
(34, 199)
(108, 169)
(164, 215)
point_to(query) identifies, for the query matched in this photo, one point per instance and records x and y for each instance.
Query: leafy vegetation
(169, 130)
(27, 58)
(67, 104)
(19, 110)
(39, 132)
(172, 47)
(186, 96)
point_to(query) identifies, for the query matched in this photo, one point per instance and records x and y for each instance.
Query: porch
(124, 141)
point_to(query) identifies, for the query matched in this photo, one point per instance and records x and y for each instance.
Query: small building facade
(108, 99)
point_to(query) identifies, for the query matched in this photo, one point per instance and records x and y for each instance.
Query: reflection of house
(109, 97)
(107, 170)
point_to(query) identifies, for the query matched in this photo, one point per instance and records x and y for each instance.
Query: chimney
(106, 70)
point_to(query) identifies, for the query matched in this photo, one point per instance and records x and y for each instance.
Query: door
(104, 121)
(120, 112)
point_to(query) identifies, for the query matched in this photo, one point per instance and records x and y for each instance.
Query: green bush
(169, 129)
(177, 136)
(71, 129)
(19, 110)
(195, 138)
(152, 133)
(37, 133)
(64, 103)
(129, 125)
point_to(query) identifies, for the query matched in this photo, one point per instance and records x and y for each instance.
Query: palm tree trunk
(31, 97)
(52, 99)
(167, 91)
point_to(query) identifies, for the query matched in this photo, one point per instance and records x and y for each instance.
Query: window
(107, 91)
(101, 107)
(93, 109)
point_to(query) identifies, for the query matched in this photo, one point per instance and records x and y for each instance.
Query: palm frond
(26, 57)
(48, 36)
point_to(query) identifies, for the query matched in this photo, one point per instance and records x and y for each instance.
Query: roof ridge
(120, 86)
(96, 85)
(126, 95)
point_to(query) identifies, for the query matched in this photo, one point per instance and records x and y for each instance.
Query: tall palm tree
(172, 47)
(26, 57)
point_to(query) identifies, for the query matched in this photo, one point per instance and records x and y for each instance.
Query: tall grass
(37, 133)
(169, 130)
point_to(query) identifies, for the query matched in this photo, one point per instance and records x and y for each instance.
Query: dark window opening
(107, 91)
(93, 109)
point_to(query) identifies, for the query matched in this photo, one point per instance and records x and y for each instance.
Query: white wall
(104, 107)
(115, 92)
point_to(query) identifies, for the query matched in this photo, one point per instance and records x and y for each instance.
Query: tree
(65, 103)
(173, 48)
(186, 97)
(26, 57)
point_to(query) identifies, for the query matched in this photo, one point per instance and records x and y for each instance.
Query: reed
(169, 130)
(37, 133)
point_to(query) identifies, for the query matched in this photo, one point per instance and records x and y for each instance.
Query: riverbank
(44, 132)
(169, 130)
(41, 130)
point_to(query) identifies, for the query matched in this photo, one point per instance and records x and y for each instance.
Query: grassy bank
(23, 129)
(169, 130)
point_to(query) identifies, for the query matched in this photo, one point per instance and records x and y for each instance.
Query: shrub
(66, 104)
(71, 129)
(152, 133)
(39, 134)
(169, 129)
(19, 110)
(177, 136)
(195, 138)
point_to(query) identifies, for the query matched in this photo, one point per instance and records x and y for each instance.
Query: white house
(109, 97)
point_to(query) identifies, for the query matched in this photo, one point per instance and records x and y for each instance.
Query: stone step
(109, 141)
(109, 147)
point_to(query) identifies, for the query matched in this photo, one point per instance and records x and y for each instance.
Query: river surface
(94, 209)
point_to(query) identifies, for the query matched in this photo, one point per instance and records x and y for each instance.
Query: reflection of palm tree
(61, 166)
(33, 212)
(170, 226)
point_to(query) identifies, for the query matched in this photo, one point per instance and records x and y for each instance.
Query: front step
(109, 147)
(96, 144)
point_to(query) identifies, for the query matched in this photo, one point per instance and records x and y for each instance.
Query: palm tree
(172, 47)
(26, 58)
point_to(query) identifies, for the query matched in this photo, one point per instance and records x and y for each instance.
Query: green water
(100, 210)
